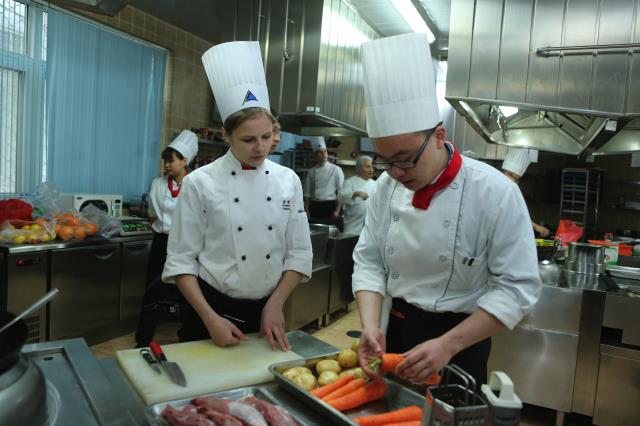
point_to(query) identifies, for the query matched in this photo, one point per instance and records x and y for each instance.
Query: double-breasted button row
(244, 257)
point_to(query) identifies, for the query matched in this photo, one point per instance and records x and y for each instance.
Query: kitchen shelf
(580, 197)
(631, 209)
(219, 144)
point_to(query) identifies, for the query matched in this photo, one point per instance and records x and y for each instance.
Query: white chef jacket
(239, 230)
(161, 204)
(355, 208)
(323, 183)
(423, 256)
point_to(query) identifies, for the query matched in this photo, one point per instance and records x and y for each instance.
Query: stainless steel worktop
(302, 343)
(60, 245)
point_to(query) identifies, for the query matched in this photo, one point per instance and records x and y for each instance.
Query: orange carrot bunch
(401, 416)
(366, 393)
(388, 363)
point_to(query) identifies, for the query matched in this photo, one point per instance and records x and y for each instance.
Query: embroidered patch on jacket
(286, 204)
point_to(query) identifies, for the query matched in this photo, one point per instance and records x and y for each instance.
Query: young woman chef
(163, 197)
(240, 239)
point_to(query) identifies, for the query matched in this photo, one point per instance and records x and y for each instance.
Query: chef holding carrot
(240, 239)
(447, 240)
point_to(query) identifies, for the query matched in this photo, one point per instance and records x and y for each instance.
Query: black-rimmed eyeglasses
(386, 165)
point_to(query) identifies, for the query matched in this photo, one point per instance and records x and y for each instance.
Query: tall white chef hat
(516, 161)
(186, 143)
(236, 76)
(399, 85)
(317, 143)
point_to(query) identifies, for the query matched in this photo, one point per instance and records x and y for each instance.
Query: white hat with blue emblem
(317, 143)
(399, 85)
(236, 76)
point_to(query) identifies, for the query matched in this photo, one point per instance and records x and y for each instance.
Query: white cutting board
(207, 368)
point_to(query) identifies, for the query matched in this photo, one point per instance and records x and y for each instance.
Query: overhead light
(412, 18)
(508, 111)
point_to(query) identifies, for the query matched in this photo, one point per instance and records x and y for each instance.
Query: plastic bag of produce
(568, 232)
(108, 226)
(44, 199)
(15, 209)
(74, 226)
(16, 231)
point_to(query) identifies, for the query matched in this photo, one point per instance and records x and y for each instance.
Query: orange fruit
(79, 233)
(58, 226)
(66, 233)
(90, 228)
(42, 221)
(72, 221)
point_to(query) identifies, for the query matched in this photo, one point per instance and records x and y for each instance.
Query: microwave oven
(109, 203)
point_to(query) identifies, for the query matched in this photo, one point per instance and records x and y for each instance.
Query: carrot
(367, 393)
(327, 389)
(345, 390)
(390, 362)
(409, 423)
(402, 415)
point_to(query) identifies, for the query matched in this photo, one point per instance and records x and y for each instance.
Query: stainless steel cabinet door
(89, 283)
(135, 257)
(27, 282)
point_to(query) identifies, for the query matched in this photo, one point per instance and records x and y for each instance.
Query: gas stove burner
(53, 404)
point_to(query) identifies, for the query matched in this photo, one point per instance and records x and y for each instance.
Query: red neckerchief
(247, 167)
(422, 197)
(174, 192)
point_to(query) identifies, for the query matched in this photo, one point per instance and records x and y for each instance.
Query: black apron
(157, 257)
(322, 209)
(409, 326)
(245, 314)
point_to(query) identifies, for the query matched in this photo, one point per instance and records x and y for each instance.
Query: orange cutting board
(207, 368)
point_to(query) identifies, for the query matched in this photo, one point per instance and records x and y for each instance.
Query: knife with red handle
(171, 368)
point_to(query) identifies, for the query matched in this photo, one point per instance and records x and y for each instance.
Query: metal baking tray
(398, 396)
(624, 272)
(154, 412)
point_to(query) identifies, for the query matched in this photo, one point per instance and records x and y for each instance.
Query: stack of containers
(584, 263)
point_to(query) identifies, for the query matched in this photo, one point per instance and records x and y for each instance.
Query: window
(22, 66)
(80, 104)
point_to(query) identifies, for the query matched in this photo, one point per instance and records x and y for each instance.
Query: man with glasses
(447, 243)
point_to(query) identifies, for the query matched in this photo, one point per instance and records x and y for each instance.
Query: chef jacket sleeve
(154, 198)
(514, 282)
(346, 193)
(186, 238)
(299, 255)
(339, 177)
(369, 271)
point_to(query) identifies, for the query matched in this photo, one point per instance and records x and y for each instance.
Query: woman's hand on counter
(223, 332)
(272, 325)
(372, 346)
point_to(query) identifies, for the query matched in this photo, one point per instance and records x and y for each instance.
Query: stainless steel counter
(60, 245)
(302, 343)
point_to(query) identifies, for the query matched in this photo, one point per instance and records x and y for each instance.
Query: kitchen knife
(171, 368)
(153, 363)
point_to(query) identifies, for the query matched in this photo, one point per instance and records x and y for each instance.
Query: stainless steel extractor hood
(544, 75)
(626, 141)
(311, 50)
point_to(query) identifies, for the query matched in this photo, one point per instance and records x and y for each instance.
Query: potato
(296, 371)
(358, 372)
(306, 381)
(355, 345)
(328, 365)
(347, 358)
(327, 377)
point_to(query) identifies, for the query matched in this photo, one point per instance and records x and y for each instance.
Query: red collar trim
(247, 167)
(422, 197)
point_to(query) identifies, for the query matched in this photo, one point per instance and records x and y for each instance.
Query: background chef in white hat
(240, 239)
(322, 184)
(354, 195)
(514, 166)
(446, 237)
(163, 196)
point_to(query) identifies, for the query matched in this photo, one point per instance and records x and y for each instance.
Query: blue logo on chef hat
(249, 97)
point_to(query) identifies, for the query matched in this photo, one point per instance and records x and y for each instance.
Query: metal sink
(331, 230)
